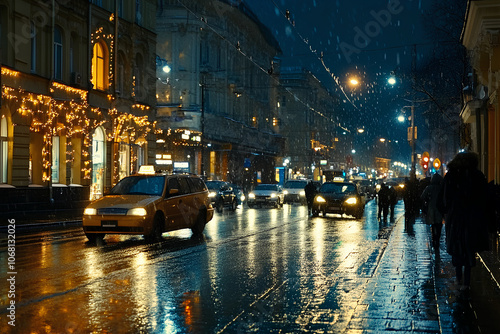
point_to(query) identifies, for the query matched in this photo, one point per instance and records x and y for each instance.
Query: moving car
(149, 204)
(222, 195)
(266, 194)
(293, 191)
(340, 198)
(240, 194)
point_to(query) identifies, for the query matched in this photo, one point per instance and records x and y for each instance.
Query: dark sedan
(340, 198)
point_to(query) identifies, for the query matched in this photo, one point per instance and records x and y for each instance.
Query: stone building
(78, 96)
(481, 37)
(308, 122)
(217, 91)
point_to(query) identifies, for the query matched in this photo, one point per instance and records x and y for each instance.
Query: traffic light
(424, 162)
(436, 164)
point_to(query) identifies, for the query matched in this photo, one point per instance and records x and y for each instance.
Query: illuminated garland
(95, 37)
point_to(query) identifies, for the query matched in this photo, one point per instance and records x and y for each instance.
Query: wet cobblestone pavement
(402, 288)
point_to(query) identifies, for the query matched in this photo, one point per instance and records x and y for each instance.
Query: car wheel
(219, 206)
(95, 237)
(199, 225)
(359, 213)
(234, 205)
(157, 231)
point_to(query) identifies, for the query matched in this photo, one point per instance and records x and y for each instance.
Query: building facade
(481, 112)
(308, 123)
(78, 94)
(217, 91)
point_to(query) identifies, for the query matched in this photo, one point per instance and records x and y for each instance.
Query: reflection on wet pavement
(255, 270)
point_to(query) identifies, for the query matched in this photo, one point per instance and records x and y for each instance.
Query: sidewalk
(412, 290)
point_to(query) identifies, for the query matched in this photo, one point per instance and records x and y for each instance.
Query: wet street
(255, 270)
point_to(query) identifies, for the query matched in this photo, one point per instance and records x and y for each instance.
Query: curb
(3, 229)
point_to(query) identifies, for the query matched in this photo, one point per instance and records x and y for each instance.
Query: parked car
(293, 191)
(340, 198)
(222, 195)
(149, 204)
(266, 194)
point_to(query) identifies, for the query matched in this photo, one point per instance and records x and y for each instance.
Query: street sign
(410, 134)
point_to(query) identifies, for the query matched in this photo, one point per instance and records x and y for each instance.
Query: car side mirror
(173, 191)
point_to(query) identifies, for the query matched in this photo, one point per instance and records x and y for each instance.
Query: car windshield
(140, 185)
(337, 188)
(266, 187)
(295, 184)
(214, 185)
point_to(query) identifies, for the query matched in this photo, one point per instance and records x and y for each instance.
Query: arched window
(98, 163)
(58, 54)
(4, 150)
(100, 67)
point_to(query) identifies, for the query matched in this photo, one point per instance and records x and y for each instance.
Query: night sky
(366, 38)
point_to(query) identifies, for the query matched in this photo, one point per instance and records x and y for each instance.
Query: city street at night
(253, 270)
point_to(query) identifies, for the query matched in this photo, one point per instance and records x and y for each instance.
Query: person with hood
(464, 202)
(433, 216)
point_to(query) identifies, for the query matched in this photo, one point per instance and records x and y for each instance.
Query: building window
(99, 67)
(123, 160)
(98, 163)
(33, 47)
(3, 32)
(138, 12)
(120, 8)
(4, 151)
(55, 159)
(58, 54)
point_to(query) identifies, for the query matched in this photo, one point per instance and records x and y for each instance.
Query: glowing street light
(391, 81)
(401, 118)
(354, 81)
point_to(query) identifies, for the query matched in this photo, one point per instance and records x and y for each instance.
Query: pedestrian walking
(393, 200)
(383, 201)
(310, 190)
(433, 216)
(464, 202)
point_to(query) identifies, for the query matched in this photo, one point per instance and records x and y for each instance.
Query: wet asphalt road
(255, 270)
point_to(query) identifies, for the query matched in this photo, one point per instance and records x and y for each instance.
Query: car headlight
(320, 199)
(251, 195)
(285, 192)
(242, 198)
(212, 194)
(137, 212)
(273, 195)
(302, 193)
(351, 200)
(90, 212)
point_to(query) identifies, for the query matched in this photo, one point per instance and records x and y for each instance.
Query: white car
(293, 191)
(266, 194)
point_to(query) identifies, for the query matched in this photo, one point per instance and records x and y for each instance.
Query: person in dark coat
(433, 216)
(310, 190)
(463, 200)
(383, 201)
(393, 200)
